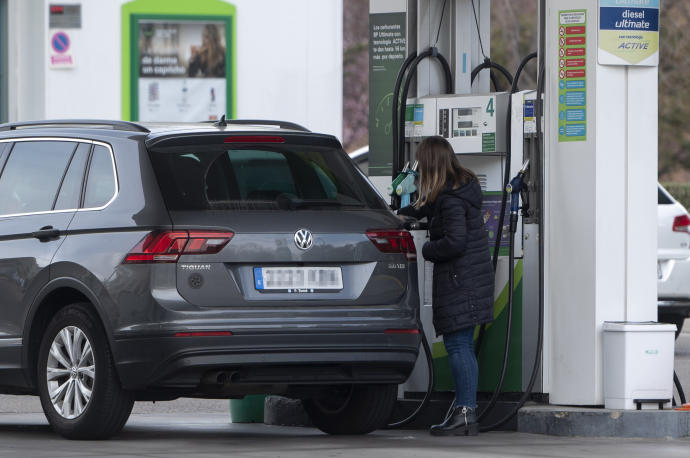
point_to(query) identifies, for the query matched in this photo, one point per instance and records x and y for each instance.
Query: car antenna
(221, 122)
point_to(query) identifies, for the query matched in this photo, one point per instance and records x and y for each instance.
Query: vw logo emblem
(303, 239)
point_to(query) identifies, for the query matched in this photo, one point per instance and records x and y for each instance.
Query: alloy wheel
(70, 372)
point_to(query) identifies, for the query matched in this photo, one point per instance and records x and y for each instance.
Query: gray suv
(151, 261)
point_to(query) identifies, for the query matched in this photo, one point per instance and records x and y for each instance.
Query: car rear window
(275, 178)
(664, 199)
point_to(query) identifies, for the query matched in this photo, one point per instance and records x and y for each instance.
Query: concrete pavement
(211, 435)
(193, 427)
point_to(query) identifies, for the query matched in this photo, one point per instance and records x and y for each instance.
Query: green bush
(680, 192)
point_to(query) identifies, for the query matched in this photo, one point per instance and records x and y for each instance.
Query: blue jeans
(463, 365)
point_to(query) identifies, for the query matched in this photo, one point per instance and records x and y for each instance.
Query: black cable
(492, 75)
(540, 342)
(488, 63)
(506, 179)
(403, 105)
(511, 247)
(430, 387)
(476, 22)
(396, 102)
(440, 22)
(679, 387)
(509, 323)
(406, 88)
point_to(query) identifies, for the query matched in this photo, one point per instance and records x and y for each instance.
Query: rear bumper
(671, 306)
(674, 284)
(145, 362)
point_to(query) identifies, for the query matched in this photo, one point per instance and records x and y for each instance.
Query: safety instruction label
(414, 120)
(572, 76)
(529, 121)
(629, 32)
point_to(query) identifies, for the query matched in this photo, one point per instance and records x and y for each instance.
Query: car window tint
(32, 175)
(70, 190)
(260, 175)
(663, 198)
(279, 178)
(100, 184)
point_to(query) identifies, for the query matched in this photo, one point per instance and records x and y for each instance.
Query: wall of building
(289, 62)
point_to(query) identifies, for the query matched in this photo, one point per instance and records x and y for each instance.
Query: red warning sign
(575, 30)
(570, 41)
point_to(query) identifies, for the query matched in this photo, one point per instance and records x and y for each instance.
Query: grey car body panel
(143, 306)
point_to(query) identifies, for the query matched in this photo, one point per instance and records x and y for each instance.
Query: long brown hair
(439, 167)
(212, 51)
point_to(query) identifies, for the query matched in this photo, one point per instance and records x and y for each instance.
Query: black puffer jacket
(463, 286)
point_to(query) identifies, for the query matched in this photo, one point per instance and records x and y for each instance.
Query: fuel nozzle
(516, 185)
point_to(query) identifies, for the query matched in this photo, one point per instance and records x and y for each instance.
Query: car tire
(673, 318)
(353, 409)
(88, 401)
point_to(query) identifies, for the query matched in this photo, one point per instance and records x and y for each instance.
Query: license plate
(298, 279)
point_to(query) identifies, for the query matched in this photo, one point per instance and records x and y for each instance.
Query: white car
(673, 268)
(360, 156)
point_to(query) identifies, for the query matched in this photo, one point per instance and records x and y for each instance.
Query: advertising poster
(388, 40)
(629, 32)
(491, 214)
(182, 70)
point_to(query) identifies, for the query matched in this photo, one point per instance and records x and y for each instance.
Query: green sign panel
(178, 60)
(572, 76)
(387, 49)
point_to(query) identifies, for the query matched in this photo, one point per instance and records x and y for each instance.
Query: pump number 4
(490, 107)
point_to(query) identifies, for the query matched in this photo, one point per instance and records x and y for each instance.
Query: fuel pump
(475, 125)
(543, 137)
(448, 96)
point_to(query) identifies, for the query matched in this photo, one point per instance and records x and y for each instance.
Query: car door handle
(46, 232)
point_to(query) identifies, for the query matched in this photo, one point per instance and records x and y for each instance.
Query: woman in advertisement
(209, 59)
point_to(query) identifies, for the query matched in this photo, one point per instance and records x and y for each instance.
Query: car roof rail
(264, 122)
(87, 123)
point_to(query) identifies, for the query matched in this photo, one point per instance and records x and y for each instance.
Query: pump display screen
(465, 122)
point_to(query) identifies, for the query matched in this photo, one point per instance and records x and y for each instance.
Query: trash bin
(249, 409)
(638, 364)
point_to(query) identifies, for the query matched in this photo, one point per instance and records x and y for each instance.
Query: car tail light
(167, 246)
(254, 139)
(394, 242)
(204, 334)
(401, 331)
(681, 224)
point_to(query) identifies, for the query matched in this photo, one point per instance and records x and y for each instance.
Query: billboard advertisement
(178, 60)
(181, 70)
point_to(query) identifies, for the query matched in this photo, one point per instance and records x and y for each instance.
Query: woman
(209, 60)
(463, 283)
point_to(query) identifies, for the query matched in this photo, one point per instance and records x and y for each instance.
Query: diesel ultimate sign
(629, 32)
